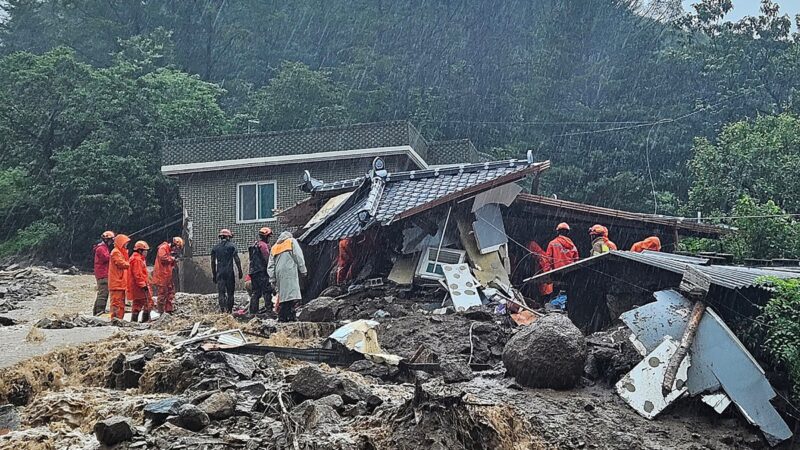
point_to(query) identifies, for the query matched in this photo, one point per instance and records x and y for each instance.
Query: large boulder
(311, 382)
(322, 309)
(549, 353)
(113, 430)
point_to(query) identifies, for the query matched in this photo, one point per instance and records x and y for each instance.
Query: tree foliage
(81, 146)
(614, 92)
(779, 323)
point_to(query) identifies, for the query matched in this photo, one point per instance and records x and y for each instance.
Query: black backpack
(257, 263)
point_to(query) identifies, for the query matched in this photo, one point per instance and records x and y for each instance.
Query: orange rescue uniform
(162, 278)
(118, 275)
(652, 243)
(561, 251)
(138, 291)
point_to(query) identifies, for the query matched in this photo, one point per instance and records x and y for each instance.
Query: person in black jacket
(223, 255)
(259, 256)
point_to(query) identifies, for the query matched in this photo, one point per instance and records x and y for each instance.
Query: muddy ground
(74, 294)
(65, 384)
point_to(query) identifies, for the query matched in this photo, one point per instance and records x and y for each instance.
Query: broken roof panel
(408, 193)
(573, 210)
(731, 277)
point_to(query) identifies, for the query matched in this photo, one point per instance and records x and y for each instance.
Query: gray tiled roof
(407, 190)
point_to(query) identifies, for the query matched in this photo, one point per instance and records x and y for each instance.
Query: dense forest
(639, 105)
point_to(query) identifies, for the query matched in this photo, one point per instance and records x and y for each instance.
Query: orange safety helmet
(265, 231)
(562, 226)
(178, 242)
(599, 230)
(141, 245)
(225, 232)
(107, 235)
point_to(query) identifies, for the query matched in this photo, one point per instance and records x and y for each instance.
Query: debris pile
(19, 285)
(72, 321)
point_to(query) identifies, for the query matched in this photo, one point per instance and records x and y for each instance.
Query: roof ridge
(240, 136)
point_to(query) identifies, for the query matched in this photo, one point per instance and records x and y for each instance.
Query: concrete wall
(209, 199)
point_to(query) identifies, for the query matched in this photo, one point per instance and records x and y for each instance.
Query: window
(255, 202)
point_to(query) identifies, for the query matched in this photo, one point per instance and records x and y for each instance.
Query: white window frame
(274, 183)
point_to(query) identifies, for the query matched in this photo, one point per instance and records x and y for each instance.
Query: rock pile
(18, 285)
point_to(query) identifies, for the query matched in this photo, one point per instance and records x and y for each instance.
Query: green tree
(81, 146)
(762, 231)
(779, 324)
(756, 158)
(297, 97)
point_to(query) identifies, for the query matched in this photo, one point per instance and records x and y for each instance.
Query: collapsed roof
(383, 198)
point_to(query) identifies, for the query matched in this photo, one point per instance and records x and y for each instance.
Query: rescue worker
(138, 287)
(286, 262)
(118, 275)
(561, 251)
(102, 253)
(600, 241)
(259, 280)
(162, 274)
(651, 243)
(223, 255)
(344, 262)
(542, 265)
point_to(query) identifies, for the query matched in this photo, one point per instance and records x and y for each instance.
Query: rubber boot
(146, 316)
(134, 316)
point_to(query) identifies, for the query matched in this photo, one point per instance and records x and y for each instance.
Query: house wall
(209, 199)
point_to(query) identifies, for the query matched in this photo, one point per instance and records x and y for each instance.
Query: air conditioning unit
(430, 264)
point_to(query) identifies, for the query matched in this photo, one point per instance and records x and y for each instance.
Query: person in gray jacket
(286, 263)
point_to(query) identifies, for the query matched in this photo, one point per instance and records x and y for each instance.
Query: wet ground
(75, 294)
(68, 386)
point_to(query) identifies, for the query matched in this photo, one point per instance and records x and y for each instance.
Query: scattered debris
(19, 285)
(641, 388)
(719, 360)
(9, 418)
(72, 321)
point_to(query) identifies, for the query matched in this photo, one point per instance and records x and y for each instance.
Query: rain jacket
(162, 271)
(118, 265)
(562, 251)
(101, 256)
(137, 277)
(259, 256)
(652, 243)
(344, 261)
(285, 262)
(542, 265)
(223, 255)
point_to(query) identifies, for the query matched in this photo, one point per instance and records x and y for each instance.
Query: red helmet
(225, 233)
(599, 230)
(107, 235)
(562, 226)
(265, 231)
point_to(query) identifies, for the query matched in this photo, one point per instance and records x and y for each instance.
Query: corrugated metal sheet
(731, 277)
(537, 201)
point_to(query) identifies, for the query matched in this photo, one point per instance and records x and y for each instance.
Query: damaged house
(408, 225)
(240, 182)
